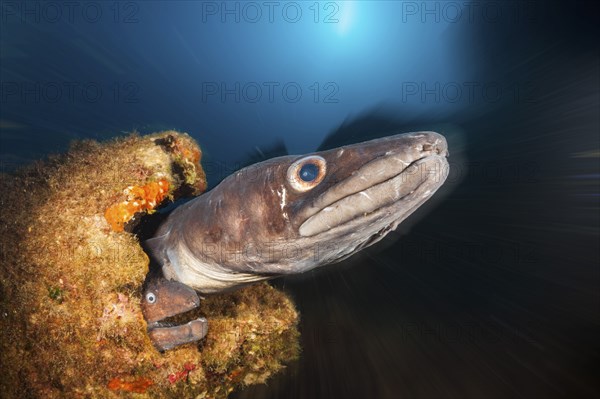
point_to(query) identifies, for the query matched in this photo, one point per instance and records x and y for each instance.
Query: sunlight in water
(346, 16)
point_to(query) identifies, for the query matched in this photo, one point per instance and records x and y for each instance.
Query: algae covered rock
(71, 274)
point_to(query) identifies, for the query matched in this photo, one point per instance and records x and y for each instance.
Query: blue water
(489, 291)
(224, 72)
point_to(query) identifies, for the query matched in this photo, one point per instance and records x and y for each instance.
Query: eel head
(164, 299)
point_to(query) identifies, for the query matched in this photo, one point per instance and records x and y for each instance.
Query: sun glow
(346, 16)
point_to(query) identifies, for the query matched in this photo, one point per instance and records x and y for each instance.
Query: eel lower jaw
(165, 336)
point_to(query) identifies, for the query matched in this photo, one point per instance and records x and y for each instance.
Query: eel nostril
(439, 150)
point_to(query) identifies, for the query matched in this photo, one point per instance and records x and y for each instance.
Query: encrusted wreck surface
(71, 273)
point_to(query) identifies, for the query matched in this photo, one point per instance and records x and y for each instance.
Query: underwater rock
(71, 275)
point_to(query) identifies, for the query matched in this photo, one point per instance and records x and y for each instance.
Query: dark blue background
(491, 290)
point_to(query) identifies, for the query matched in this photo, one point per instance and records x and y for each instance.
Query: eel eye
(150, 297)
(306, 173)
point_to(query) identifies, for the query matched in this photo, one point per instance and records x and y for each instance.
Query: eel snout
(166, 298)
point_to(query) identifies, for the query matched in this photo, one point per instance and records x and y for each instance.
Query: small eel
(285, 216)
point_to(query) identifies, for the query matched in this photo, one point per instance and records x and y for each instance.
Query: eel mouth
(166, 306)
(395, 179)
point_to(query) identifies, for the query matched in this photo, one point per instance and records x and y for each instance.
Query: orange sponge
(138, 385)
(139, 199)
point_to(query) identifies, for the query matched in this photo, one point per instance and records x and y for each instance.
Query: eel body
(288, 215)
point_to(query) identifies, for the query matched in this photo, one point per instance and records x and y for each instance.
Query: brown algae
(70, 282)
